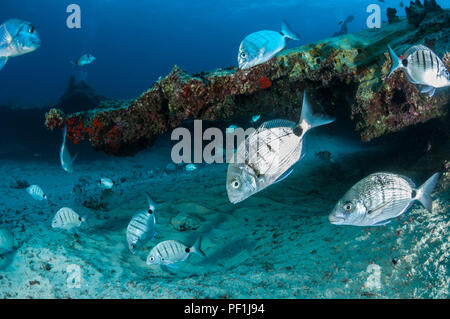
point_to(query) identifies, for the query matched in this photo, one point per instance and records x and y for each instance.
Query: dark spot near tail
(413, 194)
(405, 63)
(150, 212)
(187, 250)
(298, 131)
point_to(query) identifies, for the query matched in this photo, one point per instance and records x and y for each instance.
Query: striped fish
(67, 219)
(261, 46)
(380, 197)
(36, 192)
(172, 251)
(6, 240)
(141, 227)
(422, 67)
(267, 155)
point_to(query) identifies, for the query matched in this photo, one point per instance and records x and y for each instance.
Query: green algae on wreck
(345, 75)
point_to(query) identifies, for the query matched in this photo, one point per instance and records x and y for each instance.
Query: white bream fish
(376, 199)
(170, 252)
(17, 38)
(64, 155)
(36, 192)
(261, 46)
(422, 67)
(6, 240)
(267, 155)
(141, 227)
(67, 219)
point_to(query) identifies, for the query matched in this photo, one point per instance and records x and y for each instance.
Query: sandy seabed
(277, 244)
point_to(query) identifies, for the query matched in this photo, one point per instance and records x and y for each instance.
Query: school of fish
(265, 157)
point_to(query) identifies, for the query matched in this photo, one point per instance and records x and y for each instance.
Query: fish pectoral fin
(382, 223)
(374, 212)
(432, 92)
(172, 266)
(3, 61)
(284, 176)
(426, 89)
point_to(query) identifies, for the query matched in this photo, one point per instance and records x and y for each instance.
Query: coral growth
(345, 77)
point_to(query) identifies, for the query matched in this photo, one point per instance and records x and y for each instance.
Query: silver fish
(261, 46)
(6, 240)
(422, 67)
(106, 183)
(17, 38)
(64, 155)
(36, 192)
(84, 60)
(266, 156)
(380, 197)
(66, 218)
(171, 251)
(141, 227)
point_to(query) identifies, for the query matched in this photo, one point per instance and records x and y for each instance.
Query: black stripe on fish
(431, 59)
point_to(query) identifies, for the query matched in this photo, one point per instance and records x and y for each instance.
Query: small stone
(184, 222)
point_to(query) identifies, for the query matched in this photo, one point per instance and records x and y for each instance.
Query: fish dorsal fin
(374, 212)
(277, 123)
(5, 37)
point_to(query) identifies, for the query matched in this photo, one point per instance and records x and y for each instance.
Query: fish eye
(348, 207)
(236, 184)
(151, 258)
(243, 55)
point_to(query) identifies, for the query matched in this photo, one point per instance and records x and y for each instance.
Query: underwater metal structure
(345, 75)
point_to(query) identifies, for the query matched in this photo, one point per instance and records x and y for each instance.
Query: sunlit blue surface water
(277, 244)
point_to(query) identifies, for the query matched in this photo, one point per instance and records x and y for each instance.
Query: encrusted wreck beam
(345, 76)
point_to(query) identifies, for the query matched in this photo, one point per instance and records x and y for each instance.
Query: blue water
(137, 41)
(278, 244)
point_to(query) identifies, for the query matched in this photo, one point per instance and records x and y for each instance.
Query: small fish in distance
(64, 155)
(261, 46)
(17, 38)
(36, 192)
(380, 197)
(422, 68)
(106, 183)
(67, 219)
(84, 60)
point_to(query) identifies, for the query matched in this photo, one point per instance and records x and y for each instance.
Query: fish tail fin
(3, 60)
(395, 61)
(195, 249)
(308, 120)
(424, 192)
(287, 31)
